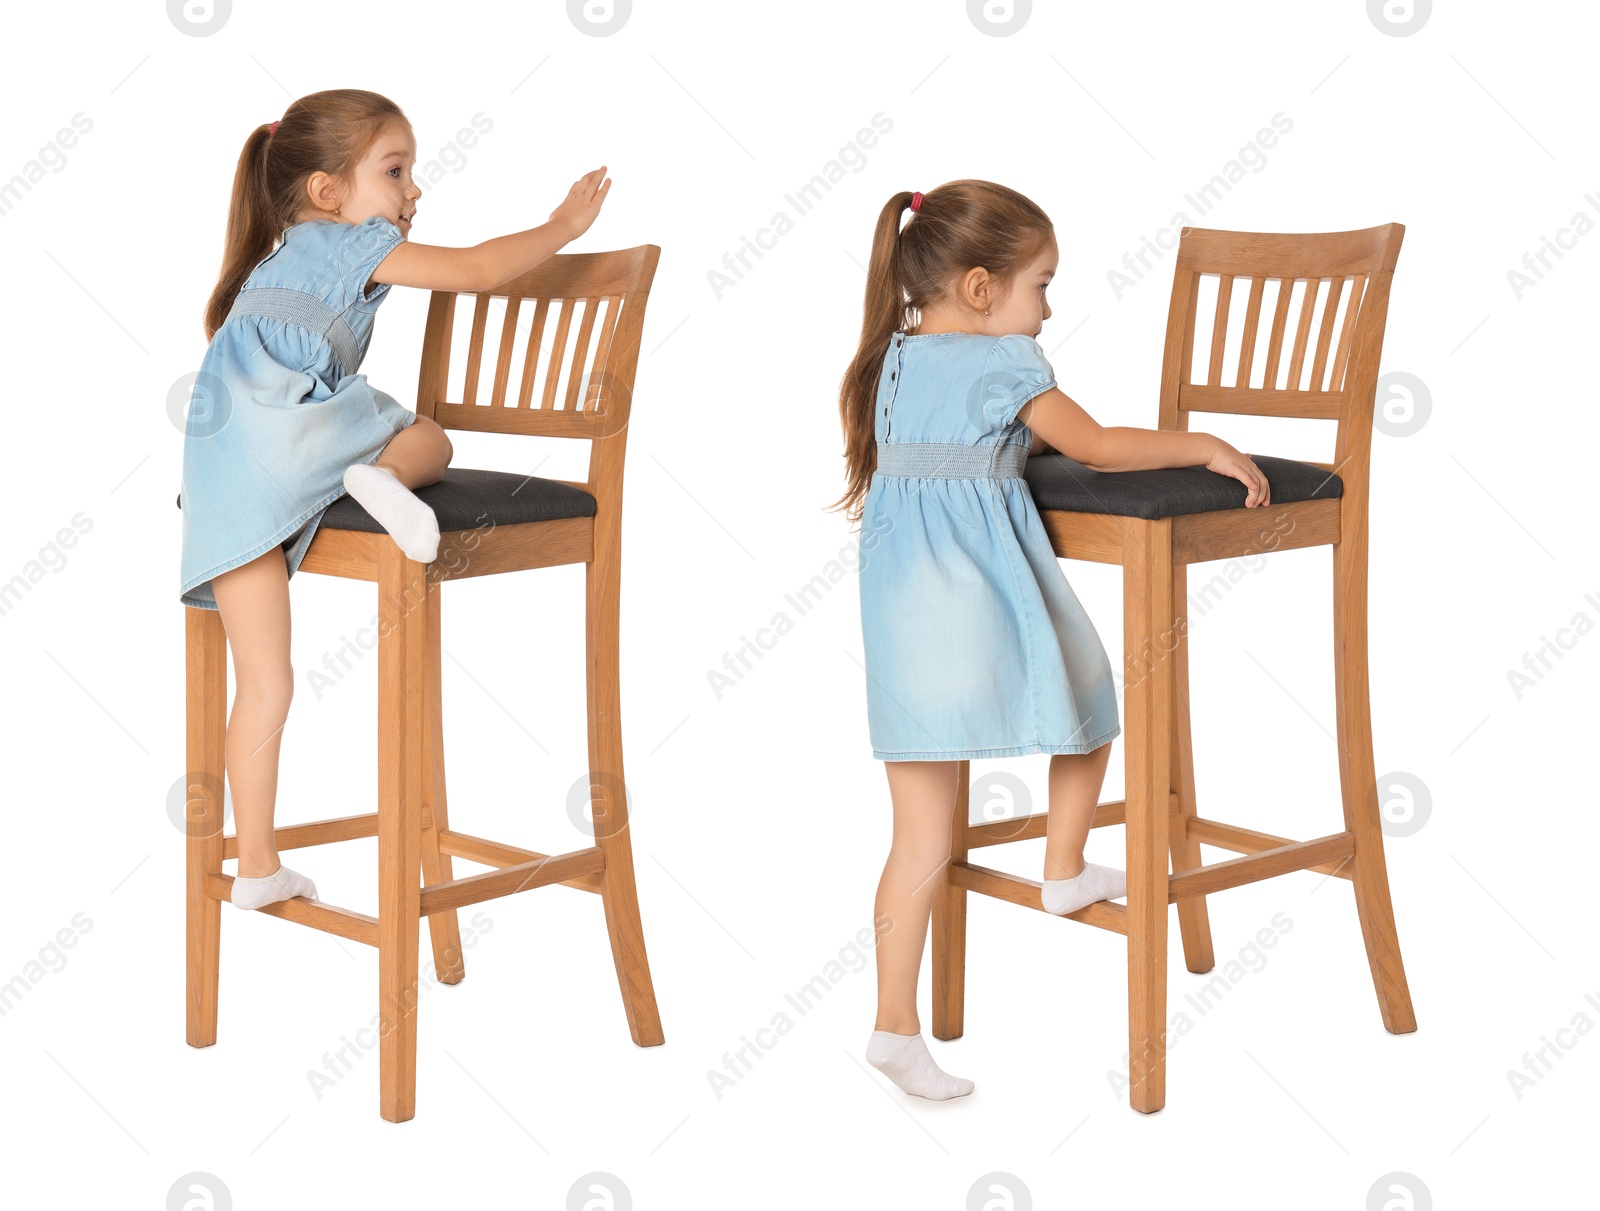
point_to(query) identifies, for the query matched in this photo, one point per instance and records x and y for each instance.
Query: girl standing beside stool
(975, 645)
(288, 426)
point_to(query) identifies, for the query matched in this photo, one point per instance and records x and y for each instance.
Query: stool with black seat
(1155, 523)
(489, 522)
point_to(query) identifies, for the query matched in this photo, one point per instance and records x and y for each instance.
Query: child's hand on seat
(1228, 461)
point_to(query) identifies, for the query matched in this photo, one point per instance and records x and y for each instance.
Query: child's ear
(976, 285)
(324, 191)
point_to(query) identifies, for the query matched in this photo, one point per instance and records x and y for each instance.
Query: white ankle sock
(396, 508)
(1084, 888)
(905, 1060)
(281, 884)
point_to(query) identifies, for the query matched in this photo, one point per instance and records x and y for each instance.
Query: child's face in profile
(383, 183)
(1025, 308)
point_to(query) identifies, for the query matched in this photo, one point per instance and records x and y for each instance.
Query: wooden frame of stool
(415, 841)
(1159, 809)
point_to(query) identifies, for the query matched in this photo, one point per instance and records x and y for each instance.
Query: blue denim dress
(975, 644)
(278, 412)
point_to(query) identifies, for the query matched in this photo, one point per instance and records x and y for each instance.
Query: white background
(760, 819)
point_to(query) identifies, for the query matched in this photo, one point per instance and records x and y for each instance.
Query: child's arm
(1067, 428)
(486, 265)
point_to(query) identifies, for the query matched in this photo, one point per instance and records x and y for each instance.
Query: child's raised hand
(583, 202)
(1228, 461)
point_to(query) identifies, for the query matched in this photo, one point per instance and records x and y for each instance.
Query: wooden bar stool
(489, 522)
(1156, 523)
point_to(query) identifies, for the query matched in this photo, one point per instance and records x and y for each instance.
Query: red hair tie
(916, 201)
(273, 129)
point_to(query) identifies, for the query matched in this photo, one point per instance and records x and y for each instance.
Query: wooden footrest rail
(1266, 864)
(329, 918)
(1248, 841)
(1266, 857)
(497, 853)
(518, 870)
(318, 832)
(1207, 832)
(540, 872)
(1025, 828)
(1105, 914)
(456, 845)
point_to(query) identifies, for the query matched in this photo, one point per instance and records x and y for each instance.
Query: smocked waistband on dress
(952, 460)
(305, 309)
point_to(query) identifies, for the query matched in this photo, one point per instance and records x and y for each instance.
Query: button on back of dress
(894, 376)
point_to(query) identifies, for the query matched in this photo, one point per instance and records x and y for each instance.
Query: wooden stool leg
(1147, 709)
(608, 794)
(206, 707)
(1358, 784)
(444, 929)
(402, 664)
(950, 923)
(1194, 921)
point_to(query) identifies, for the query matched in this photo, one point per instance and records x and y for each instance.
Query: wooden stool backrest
(606, 351)
(1331, 367)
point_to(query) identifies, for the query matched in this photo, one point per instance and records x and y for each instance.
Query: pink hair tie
(916, 201)
(273, 129)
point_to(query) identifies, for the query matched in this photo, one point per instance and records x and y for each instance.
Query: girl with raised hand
(281, 424)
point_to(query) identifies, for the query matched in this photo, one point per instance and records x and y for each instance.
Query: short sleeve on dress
(361, 246)
(1015, 372)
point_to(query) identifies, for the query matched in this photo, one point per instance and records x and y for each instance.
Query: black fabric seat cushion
(1058, 482)
(466, 498)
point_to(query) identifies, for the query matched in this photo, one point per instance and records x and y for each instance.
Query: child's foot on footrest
(281, 884)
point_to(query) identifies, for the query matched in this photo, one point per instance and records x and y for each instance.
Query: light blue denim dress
(976, 645)
(278, 411)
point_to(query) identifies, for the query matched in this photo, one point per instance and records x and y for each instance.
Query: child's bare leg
(924, 797)
(1075, 781)
(254, 603)
(414, 458)
(418, 454)
(1070, 883)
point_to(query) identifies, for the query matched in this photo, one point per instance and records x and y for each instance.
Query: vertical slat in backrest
(611, 288)
(530, 363)
(1280, 317)
(1252, 322)
(557, 353)
(1324, 331)
(1219, 328)
(502, 361)
(480, 316)
(1302, 330)
(580, 355)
